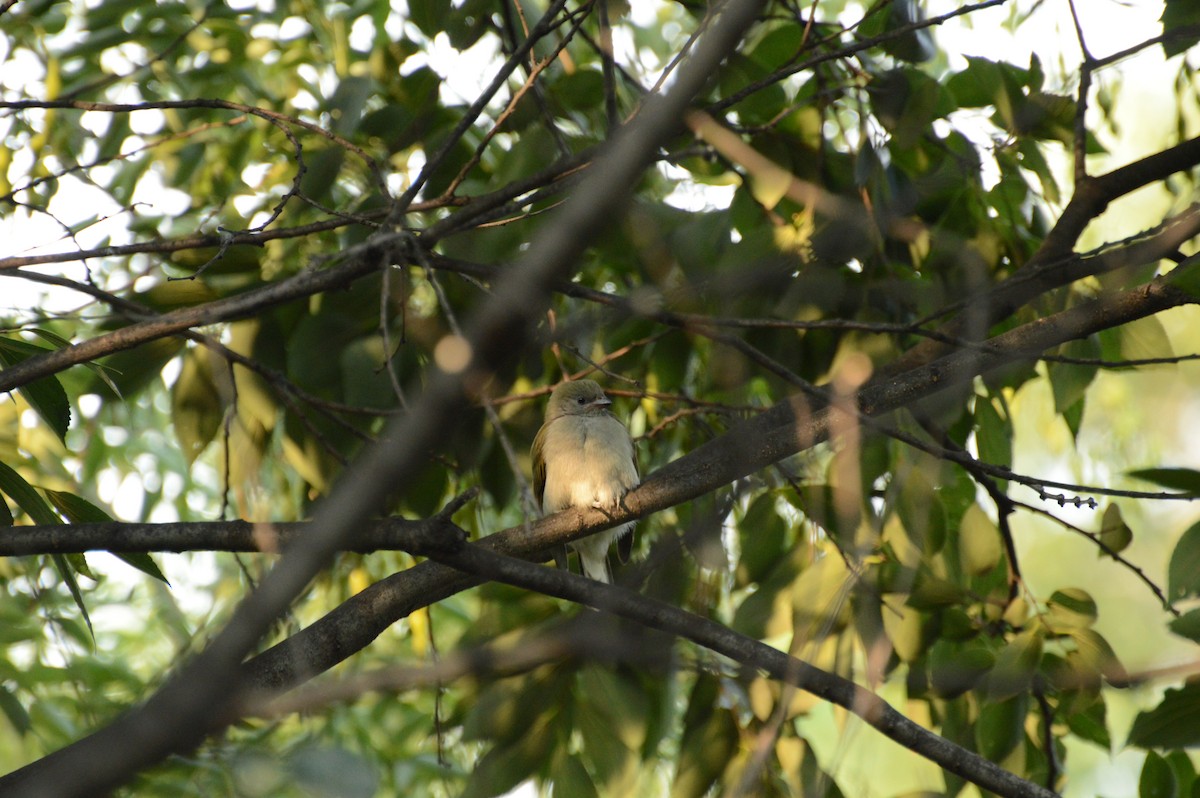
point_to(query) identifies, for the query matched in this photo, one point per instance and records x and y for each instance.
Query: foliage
(275, 222)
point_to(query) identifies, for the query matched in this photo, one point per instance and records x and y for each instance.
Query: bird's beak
(603, 401)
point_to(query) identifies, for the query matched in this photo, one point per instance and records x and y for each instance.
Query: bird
(584, 457)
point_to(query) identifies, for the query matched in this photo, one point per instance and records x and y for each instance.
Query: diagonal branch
(484, 564)
(197, 700)
(783, 430)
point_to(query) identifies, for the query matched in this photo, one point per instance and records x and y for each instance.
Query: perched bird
(583, 457)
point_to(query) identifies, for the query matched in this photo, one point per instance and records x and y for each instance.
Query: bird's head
(577, 398)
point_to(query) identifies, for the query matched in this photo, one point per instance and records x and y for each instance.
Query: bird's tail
(593, 558)
(595, 566)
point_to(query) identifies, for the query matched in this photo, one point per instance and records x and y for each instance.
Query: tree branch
(484, 564)
(196, 700)
(781, 431)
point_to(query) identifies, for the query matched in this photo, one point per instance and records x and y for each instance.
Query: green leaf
(14, 711)
(921, 512)
(1187, 625)
(570, 777)
(1092, 725)
(1184, 770)
(1157, 780)
(903, 627)
(1070, 381)
(79, 510)
(60, 342)
(1094, 656)
(1070, 608)
(507, 765)
(1114, 532)
(196, 407)
(581, 90)
(979, 85)
(1143, 339)
(63, 565)
(617, 700)
(1186, 276)
(1184, 480)
(27, 498)
(45, 395)
(955, 668)
(429, 15)
(127, 372)
(1015, 666)
(325, 770)
(710, 738)
(979, 544)
(1183, 572)
(1001, 727)
(762, 538)
(1177, 16)
(994, 431)
(1174, 723)
(323, 167)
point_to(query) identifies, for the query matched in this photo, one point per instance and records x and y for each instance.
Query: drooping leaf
(1092, 725)
(28, 499)
(1015, 666)
(1187, 625)
(196, 406)
(45, 395)
(1183, 572)
(1114, 532)
(1174, 723)
(1157, 780)
(79, 510)
(1180, 19)
(26, 496)
(1001, 726)
(979, 544)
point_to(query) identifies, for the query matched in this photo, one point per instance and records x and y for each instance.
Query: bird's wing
(625, 547)
(625, 542)
(539, 464)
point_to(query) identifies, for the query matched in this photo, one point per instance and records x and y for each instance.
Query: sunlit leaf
(979, 544)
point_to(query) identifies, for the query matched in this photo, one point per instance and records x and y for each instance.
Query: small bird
(583, 457)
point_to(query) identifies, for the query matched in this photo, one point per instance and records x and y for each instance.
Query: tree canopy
(896, 298)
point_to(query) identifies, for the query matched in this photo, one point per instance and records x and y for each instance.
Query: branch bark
(781, 431)
(484, 564)
(198, 698)
(765, 439)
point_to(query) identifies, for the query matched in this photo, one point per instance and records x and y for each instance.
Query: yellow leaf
(979, 547)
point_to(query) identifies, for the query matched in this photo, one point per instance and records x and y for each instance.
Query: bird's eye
(582, 400)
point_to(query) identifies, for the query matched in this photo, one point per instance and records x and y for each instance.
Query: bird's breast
(589, 461)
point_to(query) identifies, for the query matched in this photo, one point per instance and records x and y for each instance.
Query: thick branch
(712, 635)
(197, 699)
(781, 431)
(1047, 269)
(392, 534)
